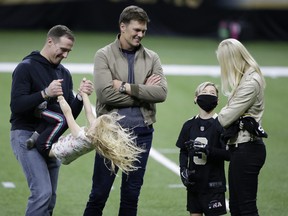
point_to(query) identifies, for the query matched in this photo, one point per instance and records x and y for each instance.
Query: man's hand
(86, 86)
(54, 89)
(117, 84)
(153, 80)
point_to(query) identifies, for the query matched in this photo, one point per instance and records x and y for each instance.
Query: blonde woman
(243, 84)
(103, 134)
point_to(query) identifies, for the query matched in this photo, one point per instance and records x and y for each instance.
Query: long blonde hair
(234, 60)
(114, 142)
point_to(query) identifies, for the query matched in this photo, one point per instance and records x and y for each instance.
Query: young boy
(202, 155)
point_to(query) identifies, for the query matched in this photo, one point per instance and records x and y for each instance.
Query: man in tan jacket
(128, 79)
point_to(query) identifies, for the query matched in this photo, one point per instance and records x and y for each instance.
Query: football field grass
(162, 192)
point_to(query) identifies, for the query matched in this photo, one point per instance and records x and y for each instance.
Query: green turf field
(162, 193)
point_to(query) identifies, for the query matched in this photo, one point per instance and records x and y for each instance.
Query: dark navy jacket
(29, 78)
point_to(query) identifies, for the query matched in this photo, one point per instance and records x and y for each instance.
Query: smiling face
(131, 34)
(57, 50)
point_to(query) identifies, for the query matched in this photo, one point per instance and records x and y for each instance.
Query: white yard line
(179, 70)
(164, 161)
(8, 185)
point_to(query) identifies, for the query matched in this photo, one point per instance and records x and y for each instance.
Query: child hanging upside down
(103, 134)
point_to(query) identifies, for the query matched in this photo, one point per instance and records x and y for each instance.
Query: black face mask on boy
(207, 102)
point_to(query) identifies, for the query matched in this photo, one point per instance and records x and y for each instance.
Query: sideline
(179, 70)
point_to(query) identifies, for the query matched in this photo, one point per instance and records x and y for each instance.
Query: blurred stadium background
(184, 33)
(245, 19)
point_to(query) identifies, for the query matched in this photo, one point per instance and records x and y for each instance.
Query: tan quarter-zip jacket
(247, 99)
(110, 64)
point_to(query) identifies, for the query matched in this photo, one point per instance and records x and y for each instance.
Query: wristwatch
(122, 88)
(45, 95)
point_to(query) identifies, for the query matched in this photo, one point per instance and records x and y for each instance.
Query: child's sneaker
(32, 140)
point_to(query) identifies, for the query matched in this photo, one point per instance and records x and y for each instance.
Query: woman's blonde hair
(114, 142)
(234, 59)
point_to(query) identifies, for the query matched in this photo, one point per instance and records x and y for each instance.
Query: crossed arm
(152, 80)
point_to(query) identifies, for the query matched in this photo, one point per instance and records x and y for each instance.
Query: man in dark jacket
(41, 77)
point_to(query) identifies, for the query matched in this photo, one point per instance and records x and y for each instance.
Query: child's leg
(39, 109)
(56, 125)
(38, 113)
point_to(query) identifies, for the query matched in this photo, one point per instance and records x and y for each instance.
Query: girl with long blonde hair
(103, 134)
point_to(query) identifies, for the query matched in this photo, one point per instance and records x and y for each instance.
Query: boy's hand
(187, 177)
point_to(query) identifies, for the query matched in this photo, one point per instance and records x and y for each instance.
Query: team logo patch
(215, 204)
